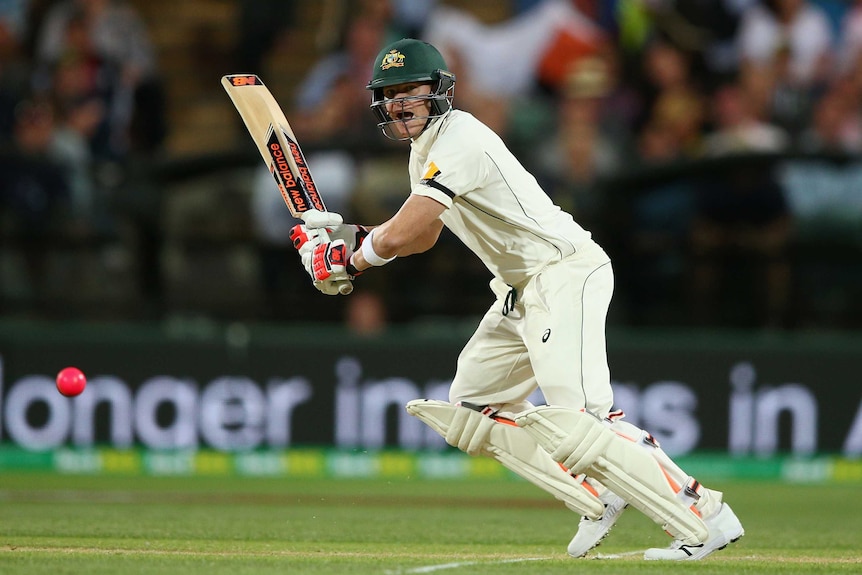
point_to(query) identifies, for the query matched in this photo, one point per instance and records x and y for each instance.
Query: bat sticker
(304, 174)
(291, 190)
(244, 80)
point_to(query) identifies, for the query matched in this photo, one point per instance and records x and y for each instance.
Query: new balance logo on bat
(244, 80)
(284, 179)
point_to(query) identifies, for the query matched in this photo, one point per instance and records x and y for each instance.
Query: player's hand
(327, 263)
(352, 234)
(315, 220)
(328, 286)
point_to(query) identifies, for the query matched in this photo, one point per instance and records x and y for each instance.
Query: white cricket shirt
(494, 205)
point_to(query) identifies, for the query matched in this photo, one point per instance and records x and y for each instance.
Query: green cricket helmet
(408, 61)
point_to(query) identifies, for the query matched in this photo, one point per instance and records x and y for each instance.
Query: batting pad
(583, 444)
(518, 452)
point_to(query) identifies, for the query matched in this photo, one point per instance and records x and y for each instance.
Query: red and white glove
(329, 261)
(327, 265)
(323, 257)
(315, 220)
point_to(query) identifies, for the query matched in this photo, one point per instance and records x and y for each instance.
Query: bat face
(275, 140)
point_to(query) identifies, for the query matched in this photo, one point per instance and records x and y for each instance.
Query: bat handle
(345, 287)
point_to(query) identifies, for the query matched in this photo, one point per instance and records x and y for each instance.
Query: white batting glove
(314, 219)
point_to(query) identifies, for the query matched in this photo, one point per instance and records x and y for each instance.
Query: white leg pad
(707, 501)
(583, 444)
(515, 449)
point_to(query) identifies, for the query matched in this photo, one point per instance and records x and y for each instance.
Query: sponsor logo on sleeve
(432, 172)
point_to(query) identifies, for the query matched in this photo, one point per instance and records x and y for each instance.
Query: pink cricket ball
(71, 381)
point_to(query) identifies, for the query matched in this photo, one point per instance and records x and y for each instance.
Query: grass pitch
(55, 524)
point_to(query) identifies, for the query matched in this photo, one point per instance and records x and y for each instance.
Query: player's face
(405, 103)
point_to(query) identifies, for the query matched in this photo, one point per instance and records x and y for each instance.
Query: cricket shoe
(724, 528)
(591, 532)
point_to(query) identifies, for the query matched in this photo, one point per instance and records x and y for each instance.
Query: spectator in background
(836, 125)
(366, 314)
(705, 31)
(520, 62)
(741, 229)
(265, 26)
(411, 16)
(587, 144)
(654, 238)
(334, 87)
(673, 99)
(115, 43)
(14, 67)
(508, 60)
(798, 26)
(34, 186)
(849, 48)
(82, 136)
(790, 41)
(397, 16)
(77, 123)
(850, 59)
(738, 129)
(13, 16)
(34, 191)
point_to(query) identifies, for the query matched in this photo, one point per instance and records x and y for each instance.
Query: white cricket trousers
(553, 338)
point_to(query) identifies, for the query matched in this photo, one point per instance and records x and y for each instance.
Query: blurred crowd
(584, 90)
(79, 94)
(80, 98)
(581, 90)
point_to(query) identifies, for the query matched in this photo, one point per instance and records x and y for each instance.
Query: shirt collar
(422, 144)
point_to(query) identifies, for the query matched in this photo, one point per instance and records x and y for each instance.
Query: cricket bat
(277, 144)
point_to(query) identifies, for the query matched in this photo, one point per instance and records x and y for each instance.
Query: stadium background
(208, 351)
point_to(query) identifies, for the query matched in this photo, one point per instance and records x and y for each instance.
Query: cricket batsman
(546, 327)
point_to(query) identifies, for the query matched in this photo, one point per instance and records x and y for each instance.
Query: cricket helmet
(407, 61)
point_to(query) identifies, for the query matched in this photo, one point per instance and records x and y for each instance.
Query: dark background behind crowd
(712, 146)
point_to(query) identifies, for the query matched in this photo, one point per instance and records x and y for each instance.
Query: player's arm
(414, 229)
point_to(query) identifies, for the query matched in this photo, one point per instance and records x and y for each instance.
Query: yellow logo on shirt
(394, 59)
(433, 171)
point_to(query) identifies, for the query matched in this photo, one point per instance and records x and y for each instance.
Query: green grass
(56, 524)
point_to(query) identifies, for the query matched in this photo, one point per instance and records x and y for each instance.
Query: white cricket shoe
(724, 528)
(592, 531)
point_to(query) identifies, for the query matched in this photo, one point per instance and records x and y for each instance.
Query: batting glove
(329, 261)
(327, 287)
(327, 264)
(315, 220)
